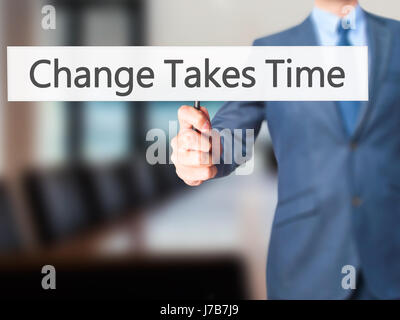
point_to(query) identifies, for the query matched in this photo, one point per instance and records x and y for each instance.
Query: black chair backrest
(139, 180)
(57, 203)
(168, 180)
(9, 237)
(147, 183)
(105, 191)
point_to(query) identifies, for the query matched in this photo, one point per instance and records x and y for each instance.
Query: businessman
(338, 166)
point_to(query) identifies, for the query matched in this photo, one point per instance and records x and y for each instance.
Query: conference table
(194, 237)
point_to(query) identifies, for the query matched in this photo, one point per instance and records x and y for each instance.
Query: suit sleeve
(233, 121)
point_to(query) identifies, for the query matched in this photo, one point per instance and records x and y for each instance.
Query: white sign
(187, 73)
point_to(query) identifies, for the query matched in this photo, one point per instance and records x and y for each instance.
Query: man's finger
(190, 117)
(193, 183)
(189, 139)
(192, 158)
(196, 174)
(205, 111)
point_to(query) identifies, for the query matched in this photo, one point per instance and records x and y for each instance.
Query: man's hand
(193, 150)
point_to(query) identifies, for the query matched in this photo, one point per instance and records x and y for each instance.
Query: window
(106, 134)
(93, 131)
(50, 139)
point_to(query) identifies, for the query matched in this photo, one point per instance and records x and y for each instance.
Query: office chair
(103, 187)
(140, 181)
(9, 238)
(57, 202)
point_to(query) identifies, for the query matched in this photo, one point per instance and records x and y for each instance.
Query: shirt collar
(328, 22)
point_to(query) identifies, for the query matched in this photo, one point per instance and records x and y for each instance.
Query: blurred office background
(75, 188)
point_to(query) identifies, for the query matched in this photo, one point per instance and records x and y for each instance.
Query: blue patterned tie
(348, 109)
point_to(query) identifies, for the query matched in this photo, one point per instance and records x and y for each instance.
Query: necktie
(348, 109)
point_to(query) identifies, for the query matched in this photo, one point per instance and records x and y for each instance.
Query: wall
(233, 22)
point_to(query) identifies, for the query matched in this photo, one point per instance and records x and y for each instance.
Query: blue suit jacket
(338, 196)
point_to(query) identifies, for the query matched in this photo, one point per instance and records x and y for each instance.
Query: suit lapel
(379, 40)
(326, 111)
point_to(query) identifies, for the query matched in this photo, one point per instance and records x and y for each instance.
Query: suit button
(356, 201)
(353, 145)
